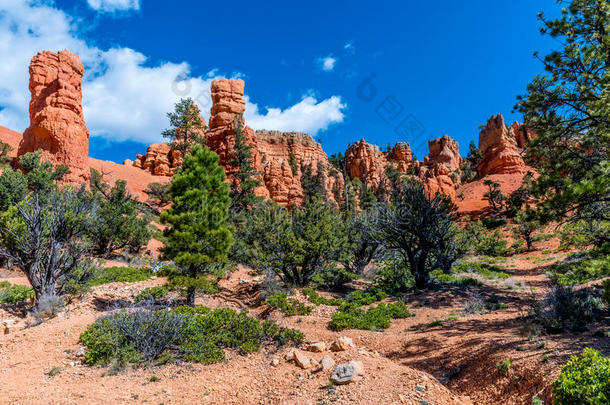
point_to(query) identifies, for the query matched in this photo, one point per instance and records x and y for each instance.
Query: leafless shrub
(474, 304)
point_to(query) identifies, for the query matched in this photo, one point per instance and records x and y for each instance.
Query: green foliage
(483, 242)
(107, 275)
(444, 278)
(119, 222)
(337, 160)
(420, 230)
(374, 318)
(394, 277)
(194, 334)
(313, 184)
(568, 108)
(288, 306)
(503, 366)
(494, 196)
(187, 126)
(584, 379)
(244, 180)
(565, 308)
(293, 163)
(14, 293)
(198, 236)
(606, 292)
(41, 175)
(295, 245)
(487, 271)
(45, 235)
(205, 284)
(152, 294)
(158, 195)
(5, 150)
(317, 299)
(493, 223)
(580, 270)
(526, 224)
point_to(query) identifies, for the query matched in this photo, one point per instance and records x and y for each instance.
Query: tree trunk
(190, 296)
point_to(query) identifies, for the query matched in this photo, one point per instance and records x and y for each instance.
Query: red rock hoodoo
(227, 104)
(441, 168)
(499, 148)
(57, 125)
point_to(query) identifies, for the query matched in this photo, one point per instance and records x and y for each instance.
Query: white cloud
(350, 48)
(328, 63)
(111, 6)
(308, 115)
(124, 98)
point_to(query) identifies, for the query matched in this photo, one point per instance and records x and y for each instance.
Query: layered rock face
(499, 149)
(439, 171)
(57, 125)
(283, 181)
(160, 159)
(366, 162)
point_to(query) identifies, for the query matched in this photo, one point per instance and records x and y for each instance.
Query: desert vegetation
(238, 274)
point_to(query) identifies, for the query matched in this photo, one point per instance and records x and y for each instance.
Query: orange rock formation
(57, 125)
(499, 149)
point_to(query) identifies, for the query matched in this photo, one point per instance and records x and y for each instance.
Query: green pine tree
(187, 126)
(245, 179)
(569, 108)
(198, 236)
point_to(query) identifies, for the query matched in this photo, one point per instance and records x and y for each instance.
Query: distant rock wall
(57, 125)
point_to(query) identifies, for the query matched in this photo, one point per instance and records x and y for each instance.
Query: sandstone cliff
(57, 125)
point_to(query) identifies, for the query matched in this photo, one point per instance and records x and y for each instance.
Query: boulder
(347, 372)
(57, 125)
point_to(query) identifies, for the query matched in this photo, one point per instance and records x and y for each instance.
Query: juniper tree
(46, 235)
(187, 126)
(198, 236)
(417, 227)
(569, 109)
(121, 221)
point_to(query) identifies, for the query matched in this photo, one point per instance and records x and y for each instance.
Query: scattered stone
(289, 356)
(327, 363)
(301, 360)
(80, 352)
(342, 344)
(275, 362)
(347, 372)
(317, 347)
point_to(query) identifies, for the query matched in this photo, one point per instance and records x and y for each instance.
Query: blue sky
(385, 71)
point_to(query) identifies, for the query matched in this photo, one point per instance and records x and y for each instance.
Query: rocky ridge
(57, 127)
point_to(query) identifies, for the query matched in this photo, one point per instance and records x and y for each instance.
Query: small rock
(6, 330)
(327, 362)
(289, 356)
(275, 362)
(80, 352)
(342, 344)
(318, 347)
(314, 364)
(301, 360)
(347, 372)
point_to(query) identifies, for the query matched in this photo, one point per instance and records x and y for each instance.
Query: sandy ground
(410, 362)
